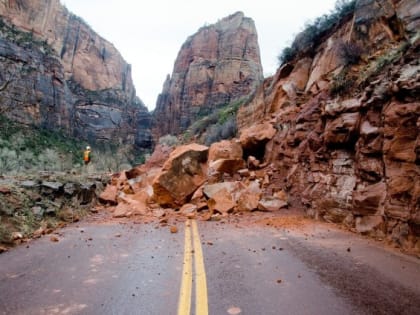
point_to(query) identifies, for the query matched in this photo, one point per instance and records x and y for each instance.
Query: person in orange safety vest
(87, 155)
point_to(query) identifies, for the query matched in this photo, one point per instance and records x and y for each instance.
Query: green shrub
(221, 131)
(226, 113)
(224, 127)
(313, 32)
(169, 140)
(49, 160)
(382, 61)
(341, 83)
(8, 160)
(202, 124)
(25, 222)
(5, 233)
(287, 55)
(186, 136)
(228, 129)
(349, 53)
(221, 124)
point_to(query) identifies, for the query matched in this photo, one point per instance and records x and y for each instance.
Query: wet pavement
(94, 269)
(127, 268)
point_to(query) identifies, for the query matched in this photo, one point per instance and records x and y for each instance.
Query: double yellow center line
(192, 240)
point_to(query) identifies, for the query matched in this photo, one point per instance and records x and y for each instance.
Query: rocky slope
(58, 73)
(347, 143)
(30, 208)
(217, 65)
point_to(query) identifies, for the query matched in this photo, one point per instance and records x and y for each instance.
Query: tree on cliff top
(313, 32)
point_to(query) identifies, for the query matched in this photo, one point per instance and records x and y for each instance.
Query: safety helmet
(88, 148)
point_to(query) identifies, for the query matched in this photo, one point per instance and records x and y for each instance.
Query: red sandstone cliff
(66, 76)
(347, 146)
(92, 61)
(218, 64)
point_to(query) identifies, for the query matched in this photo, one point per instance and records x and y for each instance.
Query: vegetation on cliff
(314, 32)
(30, 149)
(21, 38)
(215, 126)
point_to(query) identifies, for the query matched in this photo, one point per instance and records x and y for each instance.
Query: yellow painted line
(184, 305)
(192, 240)
(201, 300)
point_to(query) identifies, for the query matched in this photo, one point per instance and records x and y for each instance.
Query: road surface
(207, 268)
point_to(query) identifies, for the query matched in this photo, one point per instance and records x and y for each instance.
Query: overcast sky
(150, 33)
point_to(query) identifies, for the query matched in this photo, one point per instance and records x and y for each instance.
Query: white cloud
(149, 34)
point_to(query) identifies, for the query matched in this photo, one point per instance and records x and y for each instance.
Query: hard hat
(88, 148)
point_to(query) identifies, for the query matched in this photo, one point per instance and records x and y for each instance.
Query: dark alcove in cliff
(257, 150)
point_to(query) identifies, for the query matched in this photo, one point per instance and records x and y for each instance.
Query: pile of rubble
(195, 180)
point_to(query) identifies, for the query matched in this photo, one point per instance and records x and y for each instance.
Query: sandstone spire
(218, 64)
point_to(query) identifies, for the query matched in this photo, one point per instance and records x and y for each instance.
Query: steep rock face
(32, 86)
(218, 64)
(351, 157)
(68, 71)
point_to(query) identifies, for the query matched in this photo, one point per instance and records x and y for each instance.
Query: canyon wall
(58, 73)
(347, 142)
(215, 66)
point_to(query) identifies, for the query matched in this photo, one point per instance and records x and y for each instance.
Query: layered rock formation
(347, 141)
(58, 73)
(218, 64)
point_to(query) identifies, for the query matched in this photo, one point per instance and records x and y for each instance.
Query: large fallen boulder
(131, 204)
(234, 188)
(224, 157)
(233, 196)
(369, 223)
(159, 156)
(181, 175)
(225, 149)
(248, 201)
(109, 195)
(222, 201)
(256, 134)
(275, 202)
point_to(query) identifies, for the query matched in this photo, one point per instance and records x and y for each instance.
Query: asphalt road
(127, 268)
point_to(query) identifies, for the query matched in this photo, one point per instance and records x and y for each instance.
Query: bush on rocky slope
(313, 32)
(216, 126)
